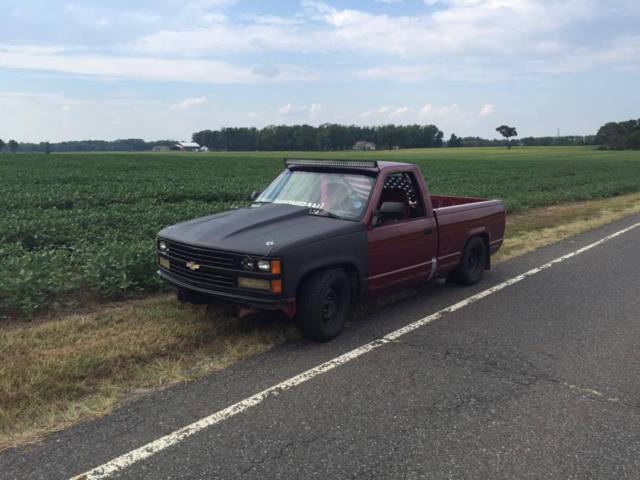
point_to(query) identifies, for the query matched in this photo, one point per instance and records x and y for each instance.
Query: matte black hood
(267, 229)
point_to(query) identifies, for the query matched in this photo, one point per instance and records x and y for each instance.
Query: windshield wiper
(324, 213)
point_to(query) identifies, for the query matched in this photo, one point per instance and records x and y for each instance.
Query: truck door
(402, 251)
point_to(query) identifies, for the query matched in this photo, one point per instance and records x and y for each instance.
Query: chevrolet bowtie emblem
(193, 266)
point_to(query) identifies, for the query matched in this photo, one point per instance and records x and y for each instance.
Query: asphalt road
(538, 380)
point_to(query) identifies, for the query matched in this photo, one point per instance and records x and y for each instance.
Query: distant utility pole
(558, 133)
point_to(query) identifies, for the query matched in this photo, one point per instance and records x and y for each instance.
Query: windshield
(335, 194)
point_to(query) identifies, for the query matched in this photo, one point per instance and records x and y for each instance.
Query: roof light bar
(308, 162)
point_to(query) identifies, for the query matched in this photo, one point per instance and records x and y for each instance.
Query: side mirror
(255, 194)
(392, 211)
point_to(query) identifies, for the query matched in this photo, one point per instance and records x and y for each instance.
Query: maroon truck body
(417, 249)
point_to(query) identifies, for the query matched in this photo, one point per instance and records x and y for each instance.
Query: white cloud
(203, 10)
(623, 52)
(399, 111)
(290, 109)
(385, 112)
(465, 36)
(451, 111)
(143, 68)
(486, 110)
(207, 4)
(224, 37)
(315, 109)
(317, 7)
(32, 49)
(427, 109)
(459, 3)
(287, 109)
(376, 112)
(461, 38)
(189, 103)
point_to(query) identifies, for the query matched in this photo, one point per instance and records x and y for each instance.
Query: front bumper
(266, 303)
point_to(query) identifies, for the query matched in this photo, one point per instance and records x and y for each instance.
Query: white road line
(146, 451)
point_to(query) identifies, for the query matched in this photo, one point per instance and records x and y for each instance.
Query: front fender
(350, 249)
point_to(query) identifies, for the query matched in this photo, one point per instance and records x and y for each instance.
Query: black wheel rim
(329, 306)
(474, 262)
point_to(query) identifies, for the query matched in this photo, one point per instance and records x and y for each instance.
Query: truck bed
(459, 218)
(441, 201)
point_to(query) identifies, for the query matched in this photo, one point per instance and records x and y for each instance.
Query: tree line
(612, 135)
(562, 141)
(619, 135)
(325, 137)
(236, 142)
(559, 141)
(12, 145)
(121, 145)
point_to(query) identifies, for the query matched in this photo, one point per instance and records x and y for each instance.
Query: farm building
(186, 147)
(363, 145)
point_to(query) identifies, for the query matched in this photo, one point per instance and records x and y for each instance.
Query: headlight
(268, 266)
(162, 245)
(248, 263)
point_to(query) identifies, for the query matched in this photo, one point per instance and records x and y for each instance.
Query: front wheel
(323, 303)
(472, 264)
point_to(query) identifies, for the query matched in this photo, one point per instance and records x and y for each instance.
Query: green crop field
(81, 227)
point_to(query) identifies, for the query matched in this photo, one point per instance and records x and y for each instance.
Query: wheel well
(349, 269)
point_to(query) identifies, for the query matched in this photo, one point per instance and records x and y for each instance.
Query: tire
(323, 304)
(472, 264)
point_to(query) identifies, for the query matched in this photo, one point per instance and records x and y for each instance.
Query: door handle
(428, 231)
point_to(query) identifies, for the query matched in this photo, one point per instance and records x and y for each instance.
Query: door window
(402, 188)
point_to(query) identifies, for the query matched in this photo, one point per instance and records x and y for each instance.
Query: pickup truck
(327, 232)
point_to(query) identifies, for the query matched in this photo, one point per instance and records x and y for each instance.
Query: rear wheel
(472, 264)
(323, 303)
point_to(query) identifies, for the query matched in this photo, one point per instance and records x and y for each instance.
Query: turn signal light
(276, 286)
(276, 267)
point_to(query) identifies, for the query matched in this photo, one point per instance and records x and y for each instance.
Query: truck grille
(212, 266)
(204, 256)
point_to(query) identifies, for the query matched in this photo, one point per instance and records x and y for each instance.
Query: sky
(163, 69)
